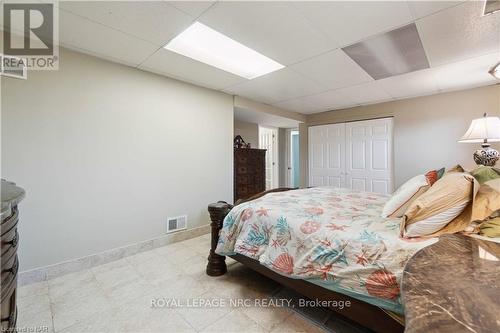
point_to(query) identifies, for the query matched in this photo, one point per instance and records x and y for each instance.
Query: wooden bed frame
(363, 313)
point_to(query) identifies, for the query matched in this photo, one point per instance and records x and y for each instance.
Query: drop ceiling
(461, 45)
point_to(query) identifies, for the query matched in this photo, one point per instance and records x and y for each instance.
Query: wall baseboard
(79, 264)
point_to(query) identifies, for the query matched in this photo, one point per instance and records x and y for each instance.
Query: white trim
(275, 154)
(78, 264)
(288, 157)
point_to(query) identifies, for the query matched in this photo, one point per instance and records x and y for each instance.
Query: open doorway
(268, 139)
(293, 158)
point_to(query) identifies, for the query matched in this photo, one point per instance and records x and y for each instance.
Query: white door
(327, 155)
(368, 164)
(268, 139)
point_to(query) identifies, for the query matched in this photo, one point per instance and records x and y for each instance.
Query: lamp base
(486, 156)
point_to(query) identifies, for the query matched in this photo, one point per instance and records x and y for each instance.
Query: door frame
(289, 155)
(275, 153)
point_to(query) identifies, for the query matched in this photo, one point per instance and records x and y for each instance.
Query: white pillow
(434, 223)
(404, 195)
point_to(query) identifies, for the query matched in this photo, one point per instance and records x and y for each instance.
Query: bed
(326, 243)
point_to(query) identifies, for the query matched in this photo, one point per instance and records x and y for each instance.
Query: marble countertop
(453, 286)
(11, 196)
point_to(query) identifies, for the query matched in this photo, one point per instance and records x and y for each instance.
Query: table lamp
(484, 130)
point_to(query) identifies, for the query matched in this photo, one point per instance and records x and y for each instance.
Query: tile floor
(116, 297)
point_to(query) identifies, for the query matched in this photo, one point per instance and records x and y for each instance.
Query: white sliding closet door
(327, 155)
(355, 155)
(369, 155)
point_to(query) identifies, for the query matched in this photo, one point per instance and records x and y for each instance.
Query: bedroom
(118, 131)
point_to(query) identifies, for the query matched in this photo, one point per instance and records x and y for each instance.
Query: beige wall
(248, 131)
(426, 129)
(106, 153)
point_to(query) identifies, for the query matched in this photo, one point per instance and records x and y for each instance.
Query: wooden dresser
(11, 196)
(249, 172)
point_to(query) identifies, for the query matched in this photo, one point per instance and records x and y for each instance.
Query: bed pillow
(440, 205)
(485, 173)
(434, 223)
(404, 196)
(440, 173)
(485, 206)
(456, 168)
(487, 201)
(490, 228)
(432, 177)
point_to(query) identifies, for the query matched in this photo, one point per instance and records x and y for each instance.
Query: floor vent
(176, 223)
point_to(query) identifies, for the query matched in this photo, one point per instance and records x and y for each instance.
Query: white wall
(426, 129)
(106, 153)
(248, 131)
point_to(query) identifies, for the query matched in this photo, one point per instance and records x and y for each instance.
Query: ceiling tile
(154, 21)
(420, 9)
(411, 84)
(467, 74)
(175, 65)
(276, 86)
(80, 34)
(192, 8)
(333, 70)
(326, 101)
(275, 29)
(349, 22)
(459, 33)
(365, 93)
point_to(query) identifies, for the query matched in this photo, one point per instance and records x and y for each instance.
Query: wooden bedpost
(216, 263)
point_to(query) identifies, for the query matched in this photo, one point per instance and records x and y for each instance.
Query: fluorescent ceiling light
(206, 45)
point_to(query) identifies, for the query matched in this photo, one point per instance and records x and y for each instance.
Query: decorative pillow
(490, 228)
(434, 223)
(432, 177)
(438, 206)
(404, 196)
(485, 205)
(440, 173)
(487, 201)
(456, 168)
(485, 173)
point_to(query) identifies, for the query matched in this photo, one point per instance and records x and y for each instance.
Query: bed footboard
(216, 263)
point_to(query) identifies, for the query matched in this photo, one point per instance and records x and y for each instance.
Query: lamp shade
(483, 128)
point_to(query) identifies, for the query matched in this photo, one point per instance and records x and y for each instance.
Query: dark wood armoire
(249, 172)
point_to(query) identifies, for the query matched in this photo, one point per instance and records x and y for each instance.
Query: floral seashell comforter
(333, 237)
